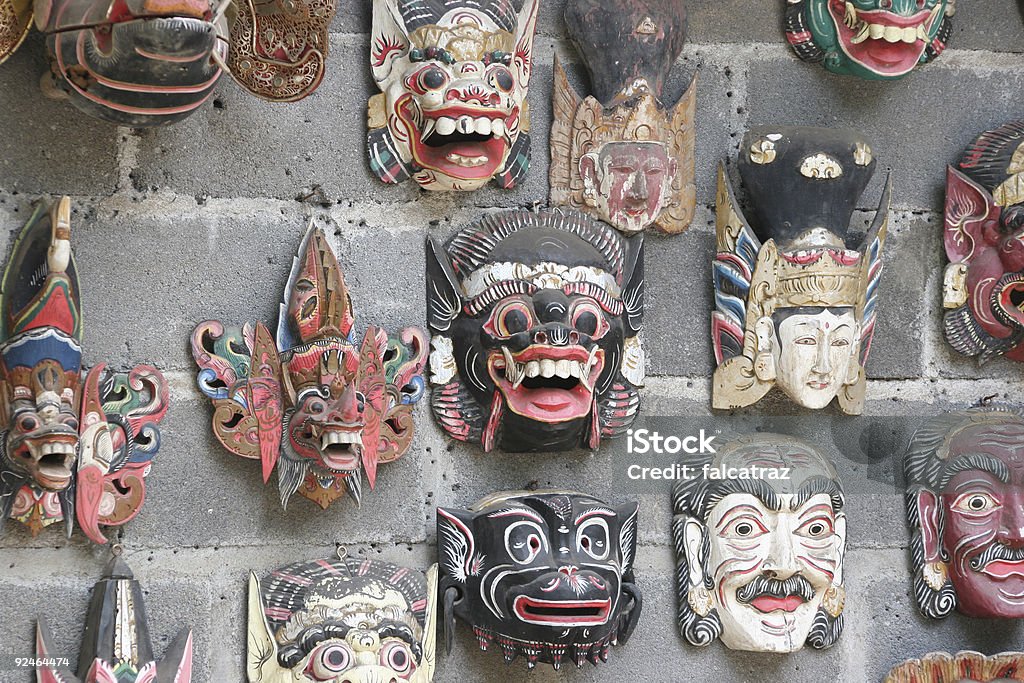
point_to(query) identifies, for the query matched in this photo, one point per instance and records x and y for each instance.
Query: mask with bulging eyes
(546, 575)
(350, 620)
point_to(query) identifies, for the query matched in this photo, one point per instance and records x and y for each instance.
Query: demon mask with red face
(116, 647)
(547, 575)
(983, 289)
(322, 406)
(535, 319)
(965, 503)
(453, 75)
(71, 446)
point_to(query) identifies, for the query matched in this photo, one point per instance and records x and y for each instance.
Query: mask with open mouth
(965, 478)
(117, 647)
(132, 62)
(760, 558)
(535, 317)
(963, 667)
(321, 406)
(547, 575)
(355, 620)
(873, 39)
(621, 155)
(70, 446)
(453, 75)
(983, 288)
(796, 298)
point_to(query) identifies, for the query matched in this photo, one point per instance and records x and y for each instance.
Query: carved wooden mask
(963, 667)
(15, 23)
(795, 300)
(116, 645)
(354, 620)
(622, 155)
(534, 319)
(453, 74)
(319, 404)
(760, 559)
(278, 48)
(983, 289)
(132, 62)
(965, 479)
(547, 575)
(72, 446)
(872, 39)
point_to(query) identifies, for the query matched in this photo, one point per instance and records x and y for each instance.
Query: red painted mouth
(1009, 297)
(1004, 569)
(770, 603)
(562, 612)
(547, 383)
(879, 40)
(459, 141)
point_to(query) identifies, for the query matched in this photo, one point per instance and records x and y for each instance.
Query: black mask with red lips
(546, 575)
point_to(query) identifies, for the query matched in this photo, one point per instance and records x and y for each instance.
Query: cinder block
(48, 145)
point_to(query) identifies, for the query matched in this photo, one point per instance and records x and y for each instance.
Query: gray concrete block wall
(200, 220)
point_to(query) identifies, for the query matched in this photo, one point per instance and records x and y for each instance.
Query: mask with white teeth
(318, 404)
(872, 39)
(453, 75)
(535, 312)
(73, 446)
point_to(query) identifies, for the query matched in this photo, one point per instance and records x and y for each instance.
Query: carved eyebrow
(974, 461)
(735, 512)
(604, 512)
(820, 507)
(516, 512)
(815, 485)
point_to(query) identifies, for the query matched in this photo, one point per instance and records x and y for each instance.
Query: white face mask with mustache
(771, 569)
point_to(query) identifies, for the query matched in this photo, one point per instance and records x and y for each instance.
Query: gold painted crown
(467, 41)
(823, 276)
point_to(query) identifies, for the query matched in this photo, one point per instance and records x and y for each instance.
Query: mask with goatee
(321, 405)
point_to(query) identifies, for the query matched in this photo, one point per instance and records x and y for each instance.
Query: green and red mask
(872, 39)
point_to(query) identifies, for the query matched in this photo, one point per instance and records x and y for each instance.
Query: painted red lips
(548, 383)
(562, 612)
(1004, 569)
(884, 42)
(770, 603)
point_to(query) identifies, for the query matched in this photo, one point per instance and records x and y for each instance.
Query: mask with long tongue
(872, 39)
(535, 319)
(72, 446)
(322, 406)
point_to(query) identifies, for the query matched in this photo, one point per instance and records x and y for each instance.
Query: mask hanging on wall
(453, 74)
(964, 667)
(735, 538)
(621, 155)
(278, 48)
(965, 478)
(983, 288)
(323, 406)
(547, 575)
(72, 446)
(535, 317)
(354, 619)
(132, 63)
(872, 39)
(116, 645)
(796, 299)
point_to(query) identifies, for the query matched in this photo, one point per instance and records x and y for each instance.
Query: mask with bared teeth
(535, 319)
(453, 75)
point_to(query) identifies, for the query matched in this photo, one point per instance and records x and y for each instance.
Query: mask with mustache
(789, 534)
(965, 503)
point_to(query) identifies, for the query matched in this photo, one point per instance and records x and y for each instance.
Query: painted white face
(772, 569)
(812, 356)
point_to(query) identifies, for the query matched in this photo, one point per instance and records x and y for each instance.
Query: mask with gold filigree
(72, 446)
(983, 289)
(796, 298)
(621, 155)
(453, 75)
(322, 406)
(963, 667)
(535, 319)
